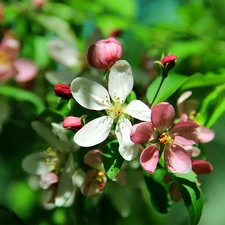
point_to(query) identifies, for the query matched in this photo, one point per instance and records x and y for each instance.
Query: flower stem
(160, 85)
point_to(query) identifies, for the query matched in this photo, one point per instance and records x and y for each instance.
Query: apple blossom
(55, 166)
(94, 96)
(160, 132)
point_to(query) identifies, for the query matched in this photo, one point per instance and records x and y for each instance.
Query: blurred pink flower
(186, 110)
(104, 53)
(160, 132)
(22, 70)
(95, 180)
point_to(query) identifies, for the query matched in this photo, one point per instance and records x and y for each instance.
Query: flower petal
(181, 104)
(149, 158)
(65, 188)
(93, 158)
(90, 94)
(206, 135)
(36, 163)
(138, 110)
(141, 132)
(200, 166)
(162, 116)
(94, 132)
(185, 133)
(121, 80)
(177, 159)
(127, 148)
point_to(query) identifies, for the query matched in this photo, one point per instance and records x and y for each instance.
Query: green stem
(160, 85)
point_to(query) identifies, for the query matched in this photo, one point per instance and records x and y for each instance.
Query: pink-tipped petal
(162, 116)
(206, 135)
(149, 158)
(177, 159)
(142, 132)
(200, 166)
(185, 133)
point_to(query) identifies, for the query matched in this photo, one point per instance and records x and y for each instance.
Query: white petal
(94, 132)
(138, 110)
(90, 94)
(127, 148)
(36, 163)
(46, 133)
(65, 189)
(121, 80)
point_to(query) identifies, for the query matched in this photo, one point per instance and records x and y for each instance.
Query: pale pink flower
(186, 110)
(160, 132)
(95, 180)
(104, 53)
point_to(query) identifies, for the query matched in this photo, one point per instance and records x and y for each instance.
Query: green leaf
(202, 80)
(192, 195)
(22, 95)
(112, 159)
(158, 190)
(169, 86)
(212, 106)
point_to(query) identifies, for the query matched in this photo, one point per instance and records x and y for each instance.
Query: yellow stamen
(165, 139)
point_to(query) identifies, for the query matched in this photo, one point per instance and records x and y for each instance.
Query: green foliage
(111, 158)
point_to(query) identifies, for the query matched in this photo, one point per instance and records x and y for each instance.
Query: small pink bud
(200, 166)
(168, 59)
(104, 53)
(73, 123)
(63, 91)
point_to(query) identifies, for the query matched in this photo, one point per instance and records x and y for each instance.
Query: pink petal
(200, 166)
(149, 158)
(162, 116)
(93, 158)
(206, 135)
(27, 70)
(177, 159)
(185, 133)
(142, 132)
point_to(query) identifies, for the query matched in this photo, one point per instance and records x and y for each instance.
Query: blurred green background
(192, 30)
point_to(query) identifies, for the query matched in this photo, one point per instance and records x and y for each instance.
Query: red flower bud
(200, 166)
(73, 123)
(168, 59)
(104, 53)
(63, 91)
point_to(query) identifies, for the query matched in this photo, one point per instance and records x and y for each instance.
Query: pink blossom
(95, 180)
(104, 53)
(186, 110)
(160, 132)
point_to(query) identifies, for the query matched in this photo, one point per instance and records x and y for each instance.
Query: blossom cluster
(149, 132)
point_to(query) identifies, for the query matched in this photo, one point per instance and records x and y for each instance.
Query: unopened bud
(104, 53)
(168, 62)
(73, 123)
(63, 91)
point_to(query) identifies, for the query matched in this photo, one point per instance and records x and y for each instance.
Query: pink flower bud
(63, 91)
(168, 59)
(72, 122)
(104, 53)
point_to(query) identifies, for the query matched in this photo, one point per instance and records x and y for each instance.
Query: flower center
(100, 177)
(56, 159)
(116, 109)
(165, 139)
